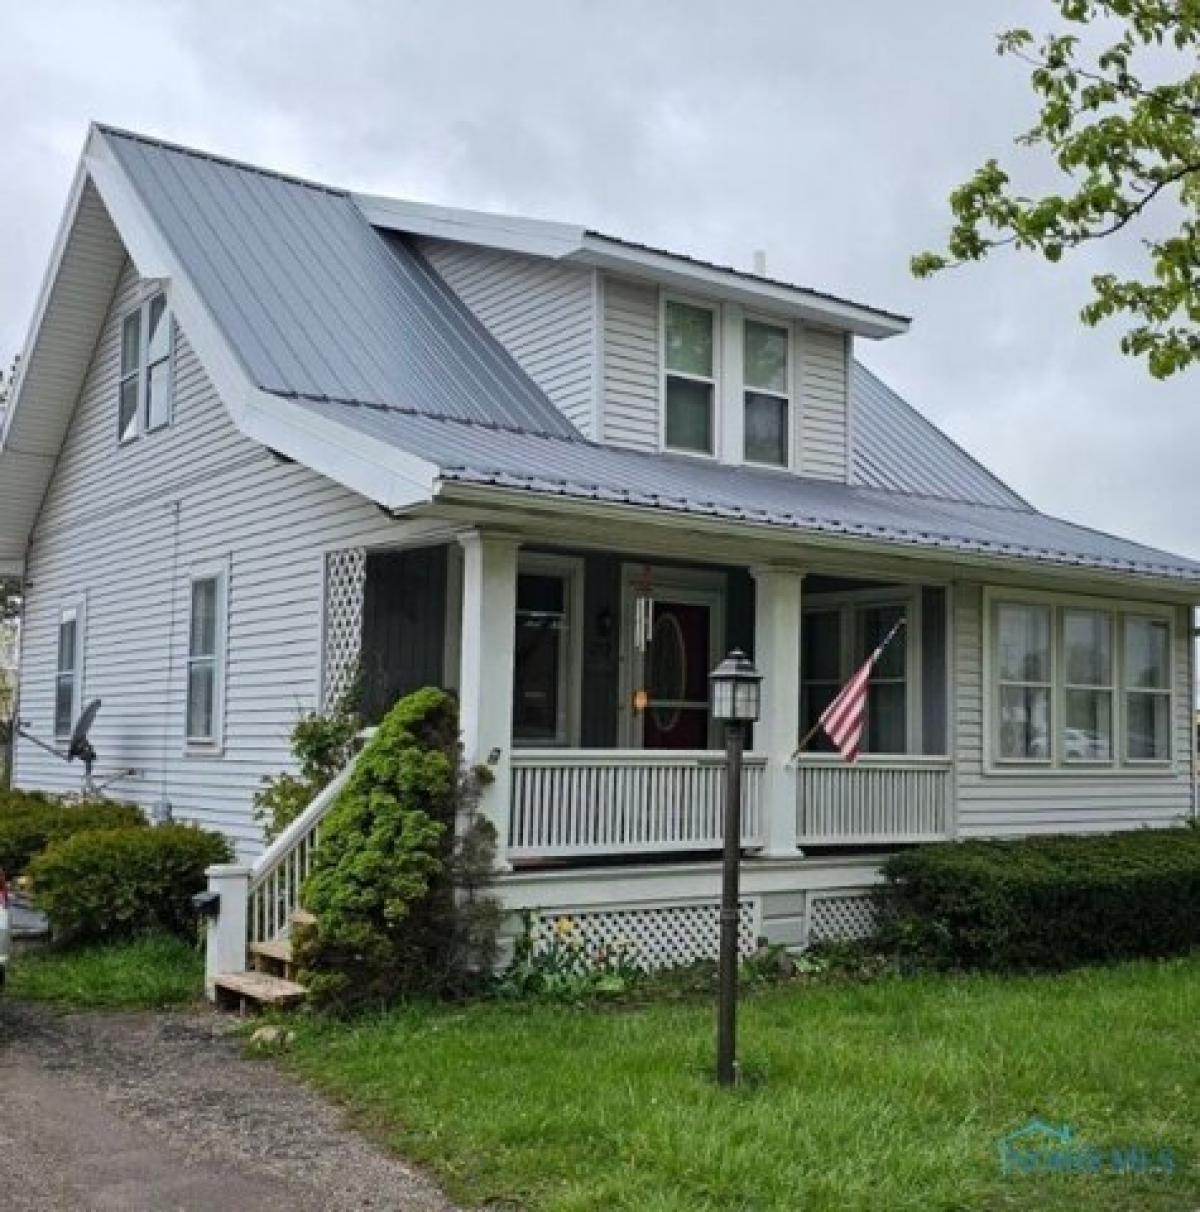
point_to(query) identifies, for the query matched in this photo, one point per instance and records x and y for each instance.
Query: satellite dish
(80, 747)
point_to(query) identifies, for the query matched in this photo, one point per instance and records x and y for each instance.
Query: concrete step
(257, 990)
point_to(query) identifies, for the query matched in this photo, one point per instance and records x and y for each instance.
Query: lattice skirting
(659, 936)
(840, 917)
(345, 584)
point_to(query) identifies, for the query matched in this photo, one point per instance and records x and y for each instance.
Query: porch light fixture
(736, 701)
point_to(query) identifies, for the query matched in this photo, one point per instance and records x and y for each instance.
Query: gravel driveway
(161, 1112)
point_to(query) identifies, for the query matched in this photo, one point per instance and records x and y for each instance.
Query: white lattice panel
(345, 582)
(840, 918)
(662, 936)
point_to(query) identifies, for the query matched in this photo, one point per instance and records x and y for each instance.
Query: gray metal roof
(317, 303)
(895, 447)
(475, 454)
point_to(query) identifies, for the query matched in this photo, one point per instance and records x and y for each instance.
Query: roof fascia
(551, 508)
(374, 469)
(577, 245)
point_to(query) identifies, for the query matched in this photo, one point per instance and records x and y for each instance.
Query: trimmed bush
(115, 883)
(30, 821)
(1044, 902)
(394, 914)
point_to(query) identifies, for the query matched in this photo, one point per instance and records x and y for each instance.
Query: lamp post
(736, 695)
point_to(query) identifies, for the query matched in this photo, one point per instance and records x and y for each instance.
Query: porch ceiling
(586, 472)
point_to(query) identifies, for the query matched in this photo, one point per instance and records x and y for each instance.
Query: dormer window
(690, 377)
(767, 425)
(145, 391)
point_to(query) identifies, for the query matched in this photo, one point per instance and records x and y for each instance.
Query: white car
(5, 929)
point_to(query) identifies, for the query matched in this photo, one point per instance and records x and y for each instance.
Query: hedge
(114, 883)
(1044, 902)
(31, 820)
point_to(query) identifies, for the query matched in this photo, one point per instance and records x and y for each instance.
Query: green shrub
(31, 820)
(115, 883)
(322, 746)
(1044, 902)
(395, 912)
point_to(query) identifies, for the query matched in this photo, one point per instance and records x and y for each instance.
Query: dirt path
(160, 1112)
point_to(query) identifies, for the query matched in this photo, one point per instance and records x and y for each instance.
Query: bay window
(1056, 669)
(767, 424)
(690, 377)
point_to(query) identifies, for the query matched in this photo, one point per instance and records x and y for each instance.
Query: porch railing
(880, 798)
(569, 803)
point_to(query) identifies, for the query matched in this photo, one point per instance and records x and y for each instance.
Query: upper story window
(1055, 674)
(145, 391)
(690, 371)
(767, 424)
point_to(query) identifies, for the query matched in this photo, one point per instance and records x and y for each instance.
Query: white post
(777, 655)
(225, 946)
(489, 612)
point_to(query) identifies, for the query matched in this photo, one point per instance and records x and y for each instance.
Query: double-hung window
(68, 671)
(206, 659)
(689, 364)
(1079, 684)
(1024, 681)
(1147, 689)
(544, 677)
(144, 402)
(766, 398)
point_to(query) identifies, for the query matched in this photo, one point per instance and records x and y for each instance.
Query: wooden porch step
(257, 990)
(274, 957)
(302, 917)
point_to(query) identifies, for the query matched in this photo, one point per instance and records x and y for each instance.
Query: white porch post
(225, 945)
(489, 610)
(777, 655)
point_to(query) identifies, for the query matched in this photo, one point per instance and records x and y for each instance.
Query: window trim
(848, 604)
(78, 608)
(570, 674)
(717, 313)
(214, 744)
(1057, 767)
(141, 374)
(788, 328)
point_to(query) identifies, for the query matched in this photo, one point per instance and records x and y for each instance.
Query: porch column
(489, 611)
(777, 655)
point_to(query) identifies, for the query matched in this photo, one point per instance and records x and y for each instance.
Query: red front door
(676, 668)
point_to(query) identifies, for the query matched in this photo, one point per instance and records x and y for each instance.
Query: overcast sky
(827, 135)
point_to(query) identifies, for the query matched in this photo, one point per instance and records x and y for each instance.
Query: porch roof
(487, 455)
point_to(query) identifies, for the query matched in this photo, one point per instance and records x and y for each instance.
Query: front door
(668, 691)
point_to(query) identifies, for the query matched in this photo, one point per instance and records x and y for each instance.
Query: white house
(266, 429)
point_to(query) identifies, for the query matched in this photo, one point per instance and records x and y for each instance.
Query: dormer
(651, 350)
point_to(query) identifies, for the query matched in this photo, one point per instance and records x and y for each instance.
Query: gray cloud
(827, 135)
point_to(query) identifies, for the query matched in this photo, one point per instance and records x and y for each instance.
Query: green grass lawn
(889, 1095)
(146, 973)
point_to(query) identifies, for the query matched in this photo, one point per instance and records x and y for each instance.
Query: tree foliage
(1119, 114)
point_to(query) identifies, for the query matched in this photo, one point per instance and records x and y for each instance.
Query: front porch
(582, 674)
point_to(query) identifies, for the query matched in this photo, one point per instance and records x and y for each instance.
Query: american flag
(843, 718)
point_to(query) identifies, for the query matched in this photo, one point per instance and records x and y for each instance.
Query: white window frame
(848, 604)
(714, 310)
(141, 373)
(1058, 766)
(214, 744)
(76, 610)
(1124, 690)
(789, 400)
(1115, 622)
(1052, 686)
(570, 663)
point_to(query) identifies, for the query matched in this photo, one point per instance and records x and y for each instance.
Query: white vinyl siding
(541, 312)
(1074, 798)
(631, 364)
(823, 442)
(131, 525)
